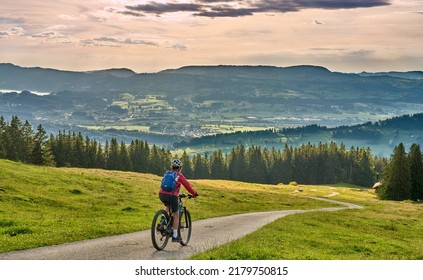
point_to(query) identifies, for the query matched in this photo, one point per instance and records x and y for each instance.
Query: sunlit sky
(149, 36)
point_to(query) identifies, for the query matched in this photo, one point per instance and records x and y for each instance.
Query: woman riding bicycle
(170, 199)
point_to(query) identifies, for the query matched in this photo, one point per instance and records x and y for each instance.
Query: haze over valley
(179, 104)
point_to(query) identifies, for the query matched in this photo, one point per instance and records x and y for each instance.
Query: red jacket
(181, 181)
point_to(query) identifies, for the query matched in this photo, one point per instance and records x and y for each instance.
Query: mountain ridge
(194, 101)
(217, 66)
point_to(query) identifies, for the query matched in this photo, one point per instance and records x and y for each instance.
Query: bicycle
(161, 227)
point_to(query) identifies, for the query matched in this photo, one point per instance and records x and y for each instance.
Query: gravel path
(206, 234)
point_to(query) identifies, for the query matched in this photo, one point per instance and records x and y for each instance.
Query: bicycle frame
(160, 232)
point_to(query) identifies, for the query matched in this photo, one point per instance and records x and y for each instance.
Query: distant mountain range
(205, 78)
(193, 101)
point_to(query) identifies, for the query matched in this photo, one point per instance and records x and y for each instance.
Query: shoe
(176, 239)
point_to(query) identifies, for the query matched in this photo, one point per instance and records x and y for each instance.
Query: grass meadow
(42, 206)
(382, 230)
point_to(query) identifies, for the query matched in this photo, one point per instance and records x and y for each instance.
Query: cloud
(114, 42)
(4, 34)
(130, 13)
(238, 8)
(139, 42)
(47, 35)
(12, 31)
(17, 31)
(160, 8)
(11, 21)
(319, 49)
(106, 39)
(360, 53)
(179, 47)
(226, 12)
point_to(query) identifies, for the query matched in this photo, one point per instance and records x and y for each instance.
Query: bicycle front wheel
(185, 227)
(159, 231)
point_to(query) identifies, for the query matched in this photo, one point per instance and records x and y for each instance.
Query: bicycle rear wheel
(159, 233)
(185, 227)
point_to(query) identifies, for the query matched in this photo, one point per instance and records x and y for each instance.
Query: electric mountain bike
(161, 227)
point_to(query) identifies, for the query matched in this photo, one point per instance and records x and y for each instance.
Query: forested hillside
(325, 163)
(308, 164)
(381, 136)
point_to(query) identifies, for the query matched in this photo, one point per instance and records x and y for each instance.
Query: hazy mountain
(192, 80)
(201, 100)
(115, 72)
(406, 75)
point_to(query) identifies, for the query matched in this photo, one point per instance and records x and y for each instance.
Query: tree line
(307, 164)
(369, 130)
(403, 177)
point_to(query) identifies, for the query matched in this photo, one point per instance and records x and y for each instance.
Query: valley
(177, 105)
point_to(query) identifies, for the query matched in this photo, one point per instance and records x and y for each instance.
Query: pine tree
(68, 150)
(124, 162)
(333, 165)
(275, 165)
(397, 180)
(57, 144)
(113, 155)
(201, 169)
(79, 149)
(157, 164)
(3, 138)
(365, 175)
(218, 168)
(135, 155)
(41, 153)
(106, 154)
(287, 165)
(187, 166)
(255, 166)
(237, 164)
(416, 172)
(100, 161)
(16, 143)
(28, 142)
(90, 152)
(145, 157)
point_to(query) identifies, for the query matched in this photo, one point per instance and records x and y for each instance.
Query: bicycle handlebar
(182, 195)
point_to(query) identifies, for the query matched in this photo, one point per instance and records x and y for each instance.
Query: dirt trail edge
(206, 234)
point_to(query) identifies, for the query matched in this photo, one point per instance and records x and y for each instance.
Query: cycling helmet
(176, 163)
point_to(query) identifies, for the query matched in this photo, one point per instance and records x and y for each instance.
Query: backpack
(169, 181)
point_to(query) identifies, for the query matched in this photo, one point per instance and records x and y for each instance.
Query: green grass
(383, 230)
(42, 206)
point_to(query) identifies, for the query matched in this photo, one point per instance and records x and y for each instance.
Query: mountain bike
(161, 227)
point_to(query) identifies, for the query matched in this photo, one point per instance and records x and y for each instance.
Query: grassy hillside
(41, 206)
(382, 230)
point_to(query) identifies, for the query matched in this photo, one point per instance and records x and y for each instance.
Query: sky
(150, 36)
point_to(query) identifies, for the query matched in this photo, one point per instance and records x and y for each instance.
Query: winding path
(206, 234)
